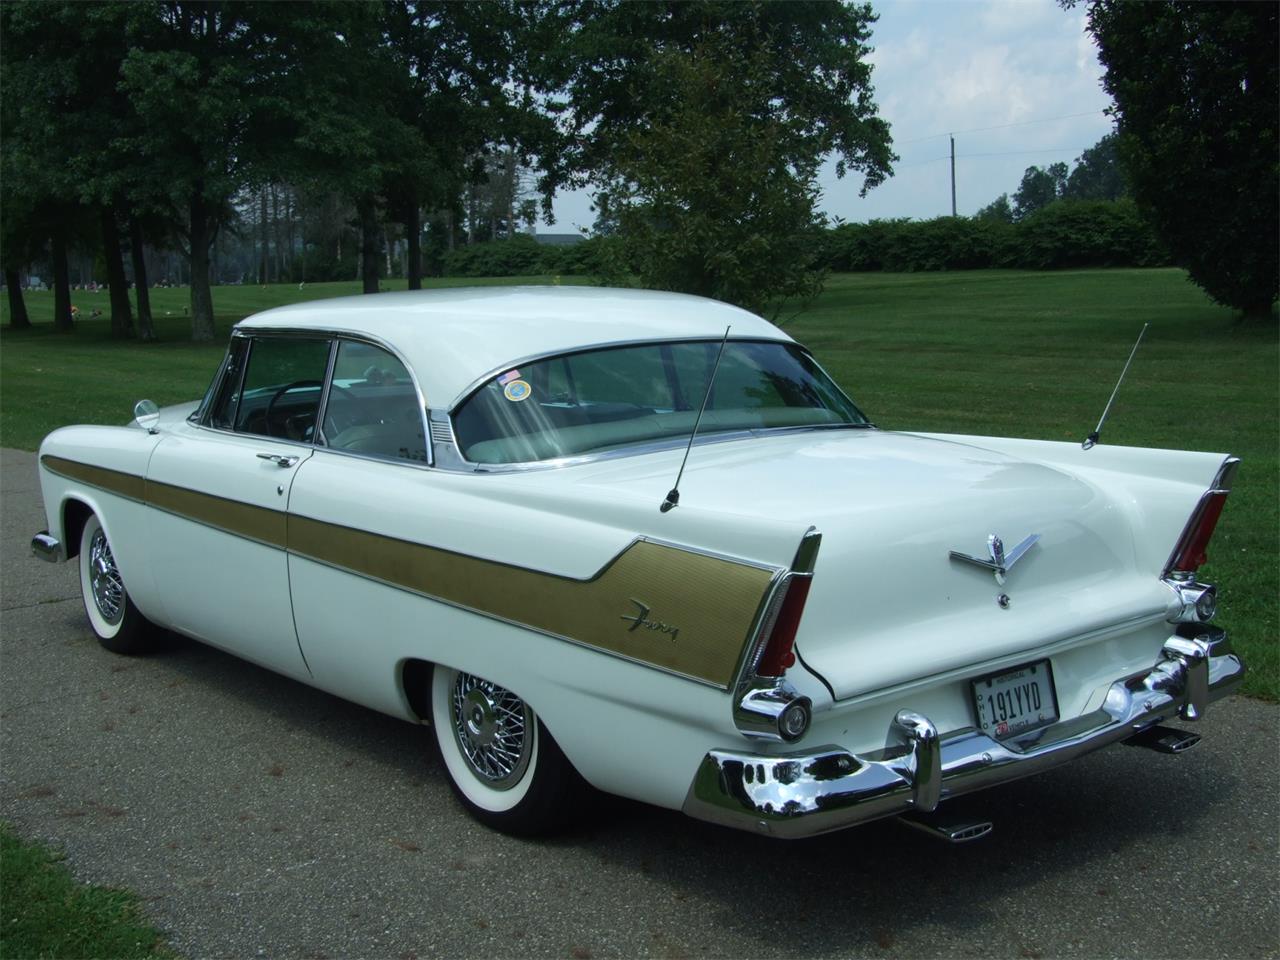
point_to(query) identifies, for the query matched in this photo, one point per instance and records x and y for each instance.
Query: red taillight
(1189, 554)
(779, 646)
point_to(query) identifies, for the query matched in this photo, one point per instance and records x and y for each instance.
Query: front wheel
(502, 763)
(116, 622)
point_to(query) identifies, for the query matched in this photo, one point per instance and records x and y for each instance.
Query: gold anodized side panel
(242, 519)
(114, 481)
(685, 612)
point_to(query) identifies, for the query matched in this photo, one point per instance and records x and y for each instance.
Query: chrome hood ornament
(999, 563)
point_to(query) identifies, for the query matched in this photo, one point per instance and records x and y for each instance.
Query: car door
(367, 483)
(220, 494)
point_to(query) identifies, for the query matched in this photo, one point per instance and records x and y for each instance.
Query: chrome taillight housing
(767, 706)
(1189, 553)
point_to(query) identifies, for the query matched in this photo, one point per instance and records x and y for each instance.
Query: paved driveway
(259, 817)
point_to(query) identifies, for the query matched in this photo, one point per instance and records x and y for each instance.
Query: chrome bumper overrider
(46, 547)
(827, 788)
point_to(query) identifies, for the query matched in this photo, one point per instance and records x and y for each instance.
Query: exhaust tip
(950, 832)
(1164, 739)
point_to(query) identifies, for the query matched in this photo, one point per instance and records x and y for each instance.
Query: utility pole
(953, 176)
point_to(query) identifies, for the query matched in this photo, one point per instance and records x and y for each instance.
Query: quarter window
(373, 407)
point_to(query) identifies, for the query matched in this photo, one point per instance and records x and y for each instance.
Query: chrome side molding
(46, 547)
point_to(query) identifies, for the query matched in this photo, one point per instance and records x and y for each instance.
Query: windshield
(602, 399)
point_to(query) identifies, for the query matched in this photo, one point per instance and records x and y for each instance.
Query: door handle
(278, 459)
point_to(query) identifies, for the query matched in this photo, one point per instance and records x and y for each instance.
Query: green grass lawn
(1007, 353)
(45, 913)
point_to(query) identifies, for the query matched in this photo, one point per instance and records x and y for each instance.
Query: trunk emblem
(999, 563)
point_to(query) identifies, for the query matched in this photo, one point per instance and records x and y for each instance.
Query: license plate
(1016, 701)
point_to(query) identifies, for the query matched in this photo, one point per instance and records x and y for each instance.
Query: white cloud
(943, 67)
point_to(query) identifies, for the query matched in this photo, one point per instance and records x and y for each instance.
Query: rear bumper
(828, 788)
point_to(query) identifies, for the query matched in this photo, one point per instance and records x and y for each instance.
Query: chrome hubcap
(104, 579)
(494, 730)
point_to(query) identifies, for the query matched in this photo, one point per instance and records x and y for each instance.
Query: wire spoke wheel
(104, 577)
(493, 728)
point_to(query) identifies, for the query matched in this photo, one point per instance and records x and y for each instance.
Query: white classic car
(453, 507)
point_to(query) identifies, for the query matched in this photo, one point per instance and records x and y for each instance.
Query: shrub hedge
(1068, 233)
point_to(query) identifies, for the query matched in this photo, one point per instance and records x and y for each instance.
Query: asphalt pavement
(258, 817)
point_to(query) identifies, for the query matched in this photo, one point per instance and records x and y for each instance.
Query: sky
(1023, 67)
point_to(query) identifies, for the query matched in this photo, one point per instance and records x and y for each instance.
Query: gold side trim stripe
(707, 604)
(242, 519)
(125, 484)
(710, 601)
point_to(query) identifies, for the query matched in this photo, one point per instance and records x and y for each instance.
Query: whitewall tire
(502, 763)
(116, 622)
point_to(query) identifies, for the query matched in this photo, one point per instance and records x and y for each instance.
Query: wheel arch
(75, 514)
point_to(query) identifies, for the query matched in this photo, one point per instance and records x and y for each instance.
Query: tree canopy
(1195, 87)
(702, 126)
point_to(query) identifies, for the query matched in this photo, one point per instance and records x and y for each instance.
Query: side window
(373, 408)
(222, 408)
(279, 392)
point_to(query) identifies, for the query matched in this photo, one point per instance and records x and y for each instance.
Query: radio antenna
(1092, 438)
(673, 497)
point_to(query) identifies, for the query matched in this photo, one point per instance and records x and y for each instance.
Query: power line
(1002, 126)
(1005, 153)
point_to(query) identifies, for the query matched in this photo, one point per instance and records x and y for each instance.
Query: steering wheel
(275, 398)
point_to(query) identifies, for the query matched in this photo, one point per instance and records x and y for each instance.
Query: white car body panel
(341, 570)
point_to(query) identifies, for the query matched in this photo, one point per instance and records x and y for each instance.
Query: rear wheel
(115, 620)
(502, 763)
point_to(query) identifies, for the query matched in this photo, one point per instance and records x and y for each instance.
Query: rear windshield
(604, 399)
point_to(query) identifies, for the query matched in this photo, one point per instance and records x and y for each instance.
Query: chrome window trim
(198, 414)
(326, 387)
(648, 446)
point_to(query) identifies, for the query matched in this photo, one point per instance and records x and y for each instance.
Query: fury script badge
(641, 619)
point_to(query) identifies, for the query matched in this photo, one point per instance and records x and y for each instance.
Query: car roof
(454, 337)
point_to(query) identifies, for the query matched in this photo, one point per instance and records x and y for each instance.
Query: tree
(1039, 188)
(1195, 87)
(212, 82)
(703, 125)
(1098, 174)
(999, 210)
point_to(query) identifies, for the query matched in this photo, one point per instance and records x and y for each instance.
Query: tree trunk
(146, 326)
(61, 285)
(201, 297)
(413, 258)
(262, 220)
(117, 285)
(18, 318)
(369, 237)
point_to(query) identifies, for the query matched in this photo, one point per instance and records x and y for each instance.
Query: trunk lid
(888, 604)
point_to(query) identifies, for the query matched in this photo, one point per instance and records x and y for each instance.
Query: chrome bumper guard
(46, 547)
(828, 788)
